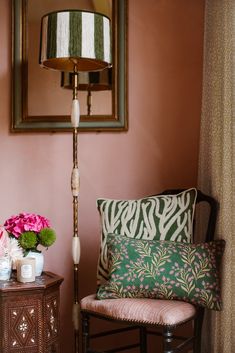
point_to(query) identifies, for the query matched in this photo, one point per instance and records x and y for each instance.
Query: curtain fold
(217, 158)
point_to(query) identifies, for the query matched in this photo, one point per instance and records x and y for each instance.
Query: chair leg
(85, 332)
(167, 340)
(198, 331)
(143, 339)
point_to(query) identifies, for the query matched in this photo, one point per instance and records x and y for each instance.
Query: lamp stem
(75, 83)
(75, 192)
(89, 102)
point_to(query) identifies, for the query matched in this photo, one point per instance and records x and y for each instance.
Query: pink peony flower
(23, 222)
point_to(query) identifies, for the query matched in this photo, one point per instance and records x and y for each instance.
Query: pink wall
(159, 151)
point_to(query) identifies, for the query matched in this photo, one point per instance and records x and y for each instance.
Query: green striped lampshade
(93, 81)
(74, 37)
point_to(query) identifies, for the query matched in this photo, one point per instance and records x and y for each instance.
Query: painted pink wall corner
(159, 151)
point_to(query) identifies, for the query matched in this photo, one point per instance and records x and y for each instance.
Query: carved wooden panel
(52, 319)
(25, 324)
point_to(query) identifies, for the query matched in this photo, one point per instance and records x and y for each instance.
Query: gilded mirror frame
(22, 122)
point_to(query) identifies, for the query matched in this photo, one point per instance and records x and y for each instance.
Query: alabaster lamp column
(75, 41)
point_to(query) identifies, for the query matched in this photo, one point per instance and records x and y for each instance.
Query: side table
(29, 315)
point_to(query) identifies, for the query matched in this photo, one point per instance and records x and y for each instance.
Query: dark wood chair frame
(167, 332)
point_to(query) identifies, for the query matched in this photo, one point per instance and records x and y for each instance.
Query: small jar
(26, 270)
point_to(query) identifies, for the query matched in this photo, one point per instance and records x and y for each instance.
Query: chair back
(211, 211)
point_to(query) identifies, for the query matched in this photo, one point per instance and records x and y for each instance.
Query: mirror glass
(42, 98)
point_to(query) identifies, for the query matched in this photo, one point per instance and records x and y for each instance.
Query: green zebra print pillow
(164, 270)
(160, 217)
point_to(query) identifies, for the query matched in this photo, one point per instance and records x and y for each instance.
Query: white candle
(26, 269)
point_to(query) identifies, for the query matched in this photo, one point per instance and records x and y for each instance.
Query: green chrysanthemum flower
(47, 237)
(28, 240)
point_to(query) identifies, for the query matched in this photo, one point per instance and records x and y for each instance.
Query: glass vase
(5, 268)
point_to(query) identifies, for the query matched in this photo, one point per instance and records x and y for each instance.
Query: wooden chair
(146, 314)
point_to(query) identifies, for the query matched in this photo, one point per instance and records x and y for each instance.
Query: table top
(46, 280)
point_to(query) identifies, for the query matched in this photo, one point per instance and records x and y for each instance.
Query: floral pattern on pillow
(164, 270)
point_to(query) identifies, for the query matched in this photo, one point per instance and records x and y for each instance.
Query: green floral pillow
(161, 217)
(164, 270)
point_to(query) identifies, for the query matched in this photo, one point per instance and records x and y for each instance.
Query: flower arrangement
(30, 231)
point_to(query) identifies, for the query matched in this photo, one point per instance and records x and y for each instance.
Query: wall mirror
(41, 99)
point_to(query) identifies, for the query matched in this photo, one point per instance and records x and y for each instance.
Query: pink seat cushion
(149, 311)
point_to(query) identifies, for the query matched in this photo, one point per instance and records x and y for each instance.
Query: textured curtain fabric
(217, 159)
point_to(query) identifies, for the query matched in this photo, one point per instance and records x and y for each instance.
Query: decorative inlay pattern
(52, 317)
(23, 323)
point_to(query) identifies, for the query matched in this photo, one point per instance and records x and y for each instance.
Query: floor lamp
(75, 41)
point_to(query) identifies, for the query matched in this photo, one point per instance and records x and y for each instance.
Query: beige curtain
(217, 158)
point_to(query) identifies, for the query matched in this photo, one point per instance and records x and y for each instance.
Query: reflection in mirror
(40, 100)
(91, 82)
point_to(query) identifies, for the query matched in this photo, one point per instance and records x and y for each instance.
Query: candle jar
(5, 268)
(26, 270)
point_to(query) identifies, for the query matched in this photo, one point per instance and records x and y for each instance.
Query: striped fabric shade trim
(73, 36)
(93, 81)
